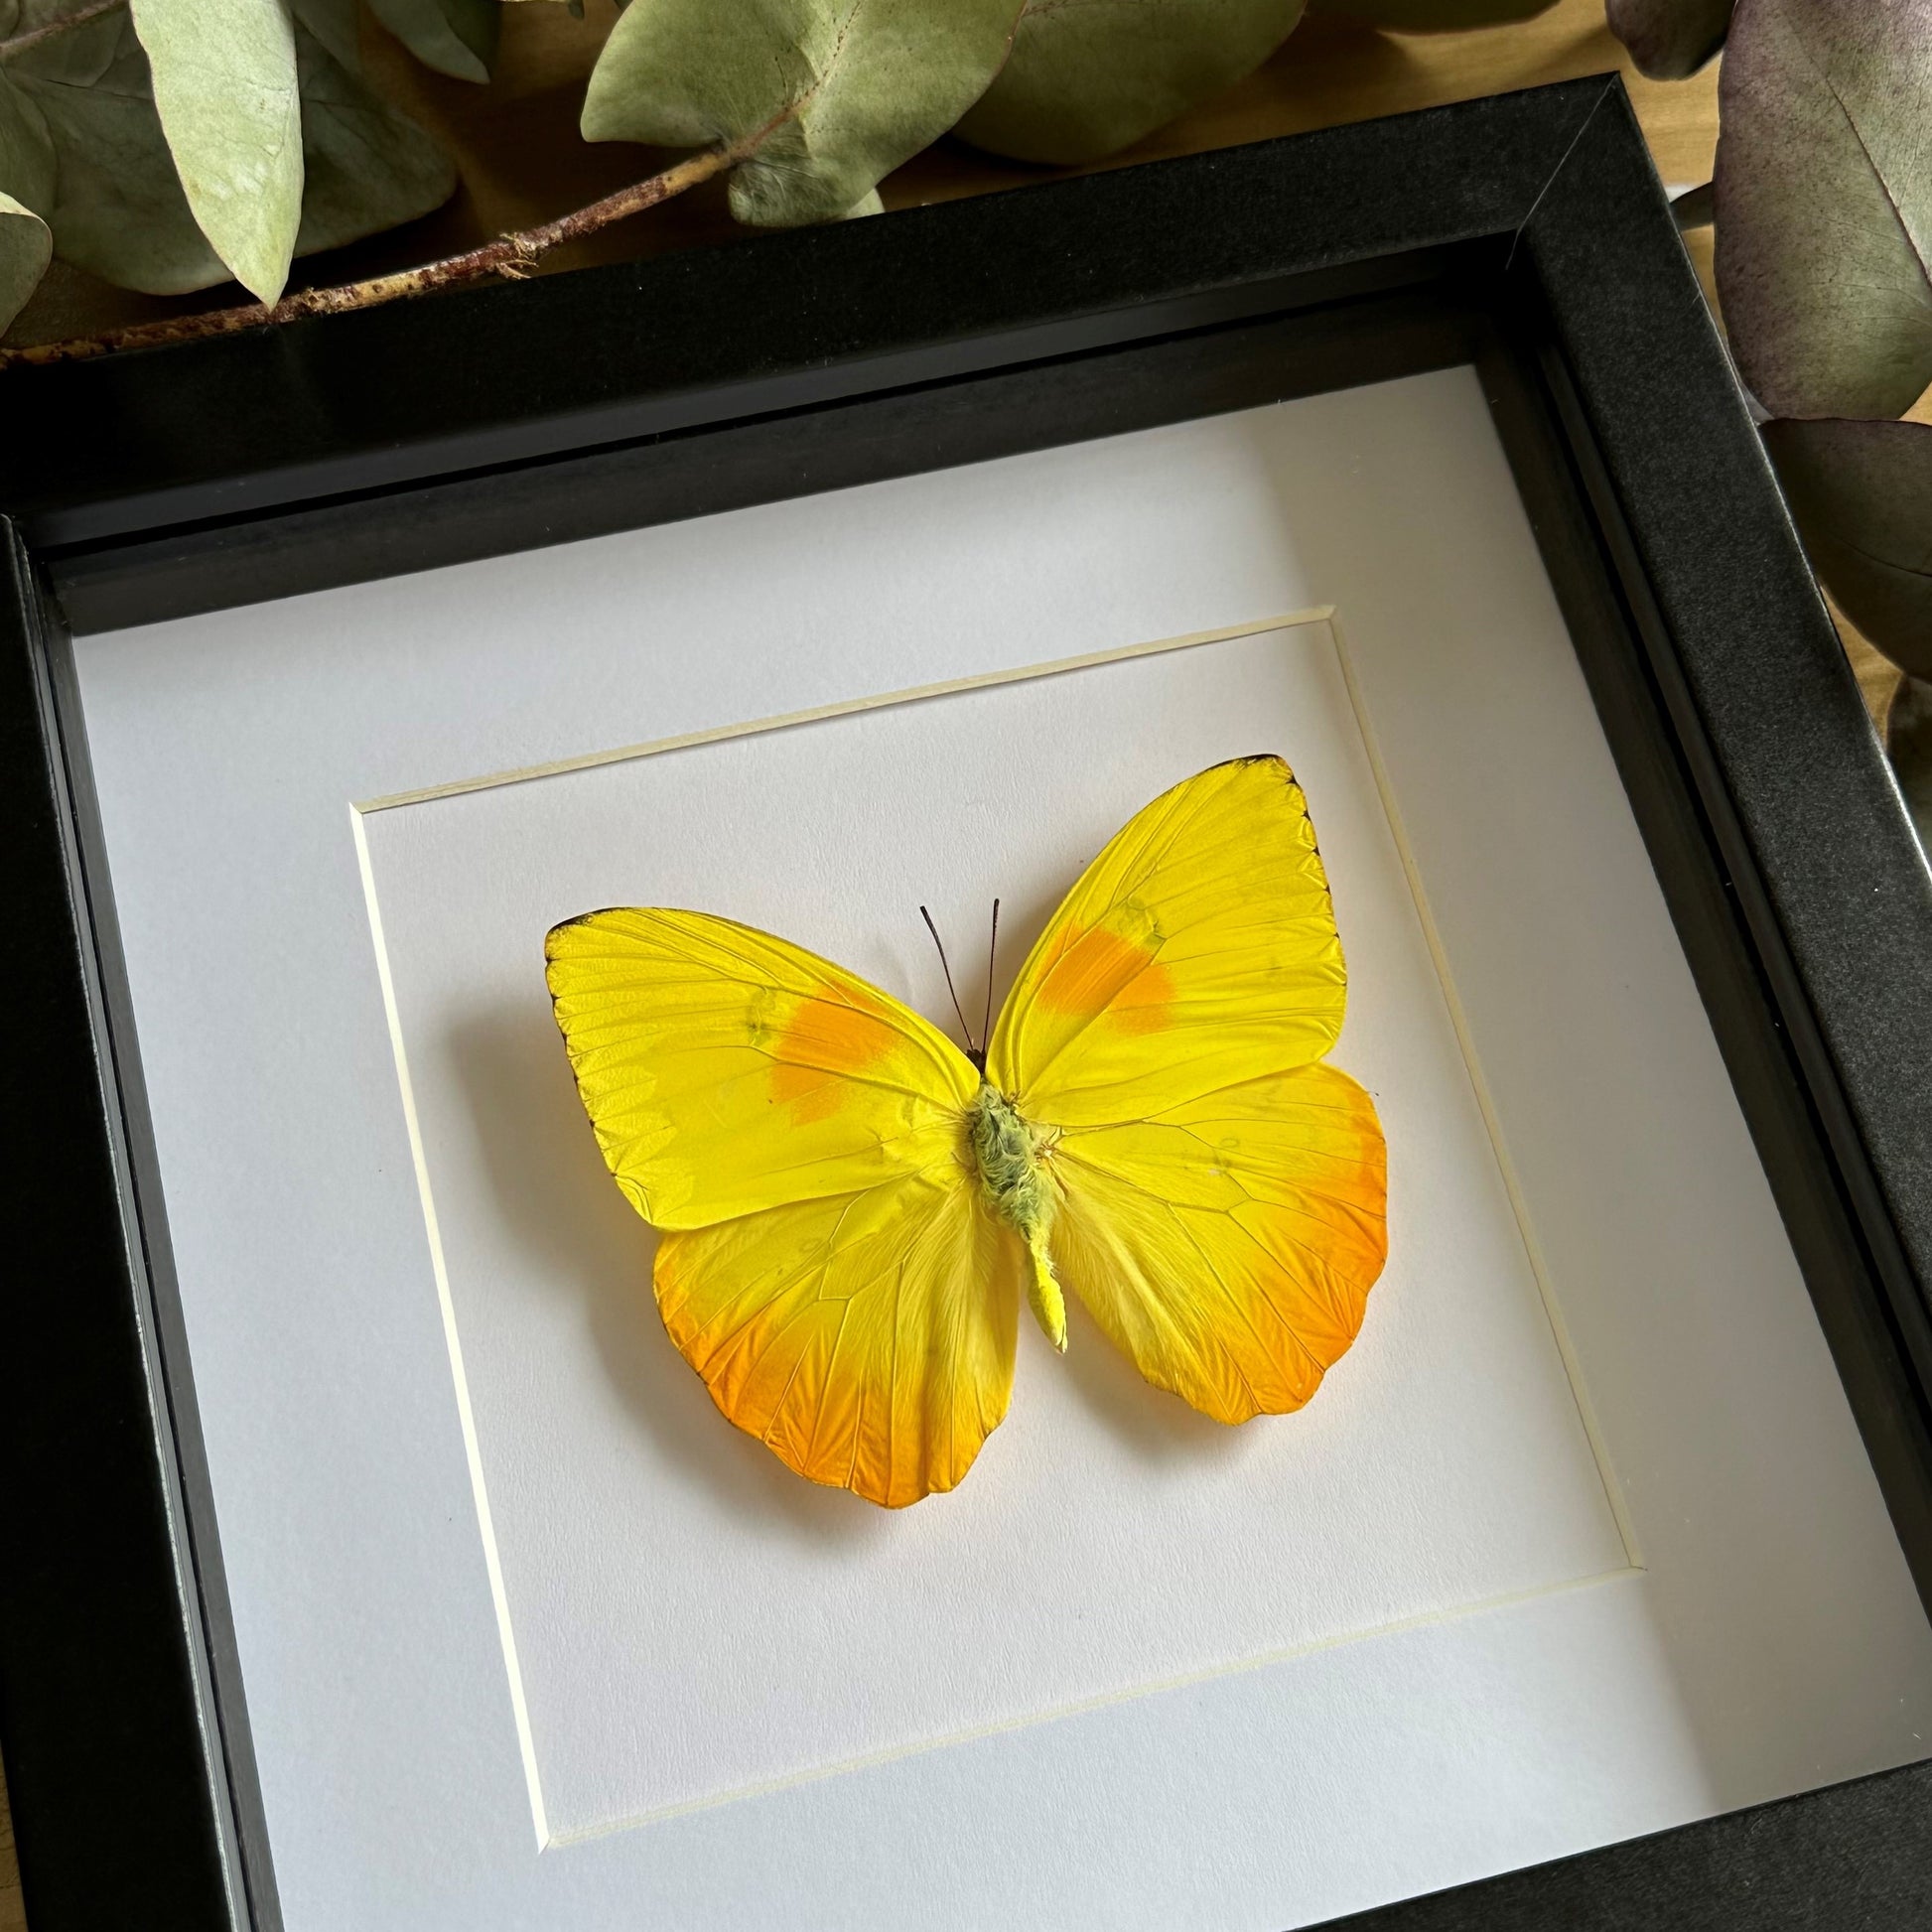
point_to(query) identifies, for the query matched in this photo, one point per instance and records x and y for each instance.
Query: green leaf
(1824, 204)
(1860, 495)
(26, 148)
(26, 247)
(25, 186)
(1434, 16)
(369, 168)
(454, 36)
(843, 91)
(1670, 40)
(338, 25)
(222, 77)
(119, 211)
(1088, 77)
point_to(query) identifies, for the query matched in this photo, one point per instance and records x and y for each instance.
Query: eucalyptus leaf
(25, 186)
(1087, 77)
(222, 73)
(1670, 40)
(1434, 16)
(80, 53)
(26, 148)
(118, 208)
(1823, 202)
(369, 168)
(26, 247)
(454, 36)
(337, 23)
(24, 16)
(1860, 495)
(836, 93)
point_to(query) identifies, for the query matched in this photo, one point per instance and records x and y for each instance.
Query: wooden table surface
(521, 162)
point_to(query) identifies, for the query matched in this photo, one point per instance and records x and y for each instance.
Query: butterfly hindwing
(1221, 1194)
(1228, 1245)
(867, 1340)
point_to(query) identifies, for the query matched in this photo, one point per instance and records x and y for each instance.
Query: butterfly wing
(727, 1072)
(1228, 1245)
(867, 1340)
(1221, 1192)
(826, 1265)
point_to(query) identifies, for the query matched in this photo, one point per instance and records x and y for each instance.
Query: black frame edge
(504, 374)
(1838, 928)
(122, 1784)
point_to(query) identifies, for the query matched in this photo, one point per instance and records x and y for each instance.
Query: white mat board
(1770, 1640)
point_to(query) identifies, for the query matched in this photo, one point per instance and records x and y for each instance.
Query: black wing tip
(552, 938)
(1273, 760)
(562, 927)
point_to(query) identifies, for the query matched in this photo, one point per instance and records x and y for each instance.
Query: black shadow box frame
(1526, 234)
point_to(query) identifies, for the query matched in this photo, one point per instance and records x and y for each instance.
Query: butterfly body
(1010, 1155)
(849, 1205)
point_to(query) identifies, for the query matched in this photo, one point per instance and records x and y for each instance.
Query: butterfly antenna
(992, 953)
(947, 970)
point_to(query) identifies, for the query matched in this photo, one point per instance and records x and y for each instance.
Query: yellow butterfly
(849, 1202)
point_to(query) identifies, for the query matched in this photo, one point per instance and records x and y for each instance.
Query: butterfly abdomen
(1006, 1151)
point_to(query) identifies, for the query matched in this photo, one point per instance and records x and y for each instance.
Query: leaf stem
(511, 255)
(60, 24)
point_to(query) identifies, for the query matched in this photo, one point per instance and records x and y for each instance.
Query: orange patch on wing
(822, 1040)
(1098, 971)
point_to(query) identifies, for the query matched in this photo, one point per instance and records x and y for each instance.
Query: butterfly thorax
(1010, 1153)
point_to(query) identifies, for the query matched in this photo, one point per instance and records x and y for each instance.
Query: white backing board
(650, 1555)
(1770, 1638)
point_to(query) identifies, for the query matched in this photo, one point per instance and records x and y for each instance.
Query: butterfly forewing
(727, 1072)
(1199, 949)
